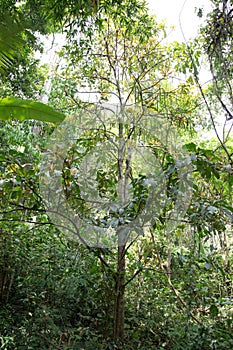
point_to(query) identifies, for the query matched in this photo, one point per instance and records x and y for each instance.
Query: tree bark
(119, 304)
(119, 307)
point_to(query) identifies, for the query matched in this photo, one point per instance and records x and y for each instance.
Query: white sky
(181, 14)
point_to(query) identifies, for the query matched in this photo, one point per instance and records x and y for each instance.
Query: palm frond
(11, 39)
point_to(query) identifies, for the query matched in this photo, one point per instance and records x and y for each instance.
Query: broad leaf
(16, 108)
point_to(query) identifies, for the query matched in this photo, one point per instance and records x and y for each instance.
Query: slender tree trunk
(119, 307)
(169, 256)
(124, 168)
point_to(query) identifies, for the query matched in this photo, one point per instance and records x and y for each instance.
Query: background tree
(218, 47)
(216, 44)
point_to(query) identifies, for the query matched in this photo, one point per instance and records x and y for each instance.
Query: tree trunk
(123, 177)
(119, 306)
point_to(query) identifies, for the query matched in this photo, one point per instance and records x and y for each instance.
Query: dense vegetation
(116, 223)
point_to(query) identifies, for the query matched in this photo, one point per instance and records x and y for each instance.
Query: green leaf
(16, 108)
(191, 147)
(213, 310)
(231, 180)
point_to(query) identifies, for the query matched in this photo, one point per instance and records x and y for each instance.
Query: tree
(216, 44)
(216, 40)
(127, 64)
(217, 35)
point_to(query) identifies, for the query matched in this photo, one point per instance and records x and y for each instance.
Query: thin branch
(134, 275)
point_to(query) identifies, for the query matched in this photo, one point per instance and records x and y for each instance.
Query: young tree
(130, 73)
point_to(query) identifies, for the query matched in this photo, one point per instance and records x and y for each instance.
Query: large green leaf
(16, 108)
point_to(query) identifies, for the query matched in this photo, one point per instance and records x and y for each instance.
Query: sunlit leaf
(16, 108)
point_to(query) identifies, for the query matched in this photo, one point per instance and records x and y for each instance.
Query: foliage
(56, 293)
(218, 45)
(9, 39)
(13, 35)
